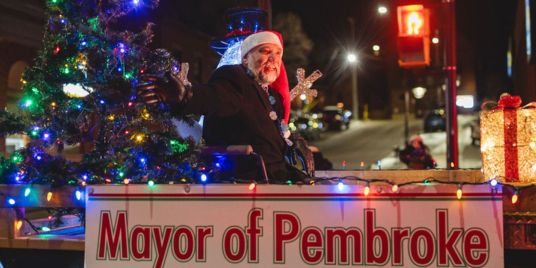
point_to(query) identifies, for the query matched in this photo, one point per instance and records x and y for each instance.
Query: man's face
(265, 62)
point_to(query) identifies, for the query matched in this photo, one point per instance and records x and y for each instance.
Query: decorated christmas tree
(82, 91)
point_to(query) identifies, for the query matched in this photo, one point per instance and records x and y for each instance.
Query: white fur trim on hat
(257, 39)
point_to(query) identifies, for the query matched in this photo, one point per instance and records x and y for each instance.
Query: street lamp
(382, 10)
(418, 93)
(352, 60)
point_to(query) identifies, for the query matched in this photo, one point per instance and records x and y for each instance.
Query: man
(239, 105)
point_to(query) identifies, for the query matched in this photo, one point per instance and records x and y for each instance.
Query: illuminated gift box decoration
(508, 141)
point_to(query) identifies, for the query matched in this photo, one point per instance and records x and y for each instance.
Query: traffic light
(413, 36)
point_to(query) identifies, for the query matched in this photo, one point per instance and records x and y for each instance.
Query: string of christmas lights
(340, 182)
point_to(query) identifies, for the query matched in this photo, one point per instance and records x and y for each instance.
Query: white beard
(262, 77)
(268, 78)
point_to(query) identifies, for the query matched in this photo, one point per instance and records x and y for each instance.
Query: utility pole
(355, 98)
(450, 93)
(355, 94)
(406, 117)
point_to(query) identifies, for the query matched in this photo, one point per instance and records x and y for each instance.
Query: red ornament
(57, 50)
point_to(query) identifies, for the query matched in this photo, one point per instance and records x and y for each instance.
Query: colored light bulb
(252, 186)
(459, 192)
(340, 186)
(394, 189)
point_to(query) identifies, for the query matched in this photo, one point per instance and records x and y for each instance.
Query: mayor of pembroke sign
(228, 226)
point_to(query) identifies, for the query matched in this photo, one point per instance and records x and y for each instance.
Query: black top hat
(240, 23)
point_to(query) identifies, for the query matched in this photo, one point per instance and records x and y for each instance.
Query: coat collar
(260, 92)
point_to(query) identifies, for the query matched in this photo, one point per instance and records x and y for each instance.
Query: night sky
(483, 27)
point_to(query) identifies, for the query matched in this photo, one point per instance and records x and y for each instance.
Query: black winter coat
(236, 110)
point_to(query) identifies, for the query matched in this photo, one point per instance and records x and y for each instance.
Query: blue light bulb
(340, 186)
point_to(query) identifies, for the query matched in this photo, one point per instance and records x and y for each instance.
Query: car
(308, 125)
(336, 118)
(435, 121)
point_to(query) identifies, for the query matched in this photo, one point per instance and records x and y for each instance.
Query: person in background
(416, 155)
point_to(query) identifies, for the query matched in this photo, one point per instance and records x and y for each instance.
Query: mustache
(270, 64)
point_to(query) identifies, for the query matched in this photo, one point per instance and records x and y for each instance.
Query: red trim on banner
(511, 166)
(230, 195)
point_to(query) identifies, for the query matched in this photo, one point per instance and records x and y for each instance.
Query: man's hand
(172, 90)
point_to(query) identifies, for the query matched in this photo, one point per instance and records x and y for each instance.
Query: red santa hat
(281, 83)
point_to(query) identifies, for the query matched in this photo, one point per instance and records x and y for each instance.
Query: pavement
(469, 155)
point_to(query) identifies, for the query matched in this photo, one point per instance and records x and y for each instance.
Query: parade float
(137, 193)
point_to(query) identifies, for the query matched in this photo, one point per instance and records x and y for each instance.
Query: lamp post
(418, 93)
(352, 60)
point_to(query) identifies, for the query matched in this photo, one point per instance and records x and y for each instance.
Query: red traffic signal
(413, 36)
